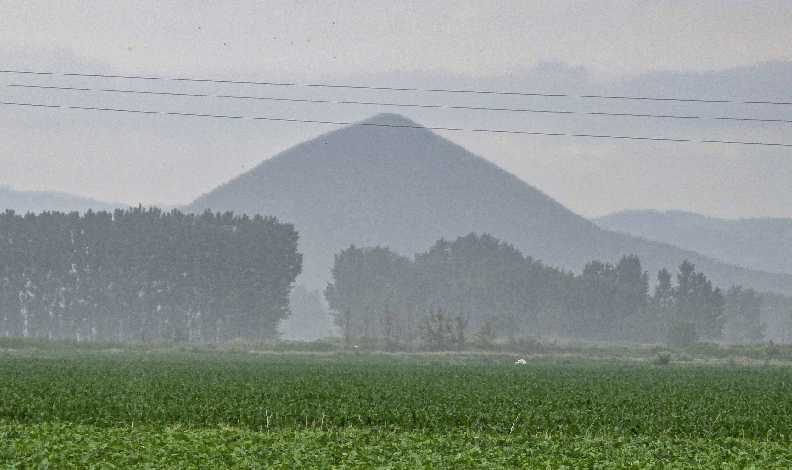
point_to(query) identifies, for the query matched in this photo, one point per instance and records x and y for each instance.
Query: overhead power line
(402, 105)
(387, 88)
(400, 126)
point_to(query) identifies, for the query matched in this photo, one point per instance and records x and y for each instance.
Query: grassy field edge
(58, 445)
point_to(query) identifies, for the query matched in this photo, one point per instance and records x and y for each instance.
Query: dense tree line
(480, 283)
(145, 274)
(777, 314)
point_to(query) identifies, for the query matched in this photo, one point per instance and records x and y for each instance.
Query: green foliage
(278, 393)
(698, 302)
(485, 279)
(375, 293)
(663, 359)
(611, 296)
(528, 345)
(277, 412)
(743, 311)
(777, 315)
(461, 324)
(491, 282)
(682, 334)
(143, 274)
(365, 282)
(486, 336)
(440, 331)
(63, 445)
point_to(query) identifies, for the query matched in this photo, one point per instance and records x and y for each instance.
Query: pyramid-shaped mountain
(388, 181)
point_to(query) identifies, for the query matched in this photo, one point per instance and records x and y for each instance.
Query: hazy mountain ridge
(760, 244)
(39, 201)
(369, 184)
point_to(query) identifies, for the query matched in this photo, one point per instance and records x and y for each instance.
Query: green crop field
(256, 411)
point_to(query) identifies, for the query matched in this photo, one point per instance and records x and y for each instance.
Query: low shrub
(663, 359)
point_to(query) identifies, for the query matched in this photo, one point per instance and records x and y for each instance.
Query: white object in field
(520, 361)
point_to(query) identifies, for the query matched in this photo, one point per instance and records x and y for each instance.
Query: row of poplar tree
(482, 284)
(144, 274)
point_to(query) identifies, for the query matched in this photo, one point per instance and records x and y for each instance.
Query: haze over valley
(761, 244)
(555, 129)
(404, 235)
(389, 182)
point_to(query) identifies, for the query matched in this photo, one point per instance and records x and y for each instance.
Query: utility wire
(402, 105)
(401, 126)
(385, 88)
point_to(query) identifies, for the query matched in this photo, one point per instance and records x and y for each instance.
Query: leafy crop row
(81, 446)
(276, 395)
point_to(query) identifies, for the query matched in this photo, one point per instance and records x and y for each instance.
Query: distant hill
(762, 244)
(39, 201)
(371, 184)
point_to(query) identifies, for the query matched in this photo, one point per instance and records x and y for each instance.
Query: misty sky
(733, 50)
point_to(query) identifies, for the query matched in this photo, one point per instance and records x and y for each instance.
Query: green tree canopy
(145, 274)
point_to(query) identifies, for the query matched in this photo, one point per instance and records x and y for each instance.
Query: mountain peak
(406, 187)
(390, 119)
